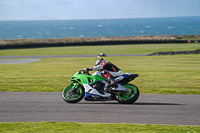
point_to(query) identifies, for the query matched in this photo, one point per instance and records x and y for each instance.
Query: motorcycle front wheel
(130, 97)
(71, 96)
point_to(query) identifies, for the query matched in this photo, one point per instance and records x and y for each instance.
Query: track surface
(149, 109)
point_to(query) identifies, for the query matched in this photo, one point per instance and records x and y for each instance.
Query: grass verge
(178, 74)
(108, 49)
(73, 127)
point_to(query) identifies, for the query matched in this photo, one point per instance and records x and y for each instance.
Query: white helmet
(100, 61)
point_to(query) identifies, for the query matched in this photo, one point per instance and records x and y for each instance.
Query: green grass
(72, 127)
(178, 74)
(94, 50)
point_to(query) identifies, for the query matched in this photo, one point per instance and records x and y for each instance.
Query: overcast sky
(95, 9)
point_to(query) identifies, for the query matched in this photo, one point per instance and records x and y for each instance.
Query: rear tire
(129, 98)
(69, 96)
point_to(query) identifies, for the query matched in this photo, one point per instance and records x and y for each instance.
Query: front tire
(73, 97)
(130, 97)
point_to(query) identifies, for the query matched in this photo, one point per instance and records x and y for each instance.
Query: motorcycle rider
(109, 71)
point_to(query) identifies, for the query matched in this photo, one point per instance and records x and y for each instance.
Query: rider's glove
(86, 69)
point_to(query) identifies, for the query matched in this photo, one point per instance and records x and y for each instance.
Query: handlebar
(84, 72)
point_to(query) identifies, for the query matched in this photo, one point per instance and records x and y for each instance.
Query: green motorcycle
(94, 88)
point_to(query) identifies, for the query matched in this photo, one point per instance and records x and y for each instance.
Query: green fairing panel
(84, 78)
(96, 78)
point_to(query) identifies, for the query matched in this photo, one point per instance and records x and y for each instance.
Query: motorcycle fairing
(127, 78)
(89, 91)
(88, 78)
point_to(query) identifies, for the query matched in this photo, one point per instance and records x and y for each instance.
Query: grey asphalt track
(56, 56)
(18, 61)
(149, 109)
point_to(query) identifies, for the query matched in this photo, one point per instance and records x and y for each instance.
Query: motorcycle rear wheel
(130, 97)
(73, 97)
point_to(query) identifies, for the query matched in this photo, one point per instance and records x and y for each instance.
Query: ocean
(99, 28)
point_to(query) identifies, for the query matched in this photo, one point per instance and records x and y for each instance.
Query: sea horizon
(98, 19)
(38, 29)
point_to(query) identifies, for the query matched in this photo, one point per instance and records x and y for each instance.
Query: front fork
(75, 87)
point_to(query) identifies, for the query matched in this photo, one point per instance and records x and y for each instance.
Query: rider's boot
(112, 83)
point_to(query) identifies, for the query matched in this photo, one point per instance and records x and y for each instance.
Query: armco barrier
(176, 52)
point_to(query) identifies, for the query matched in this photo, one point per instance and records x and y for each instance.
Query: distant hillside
(77, 41)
